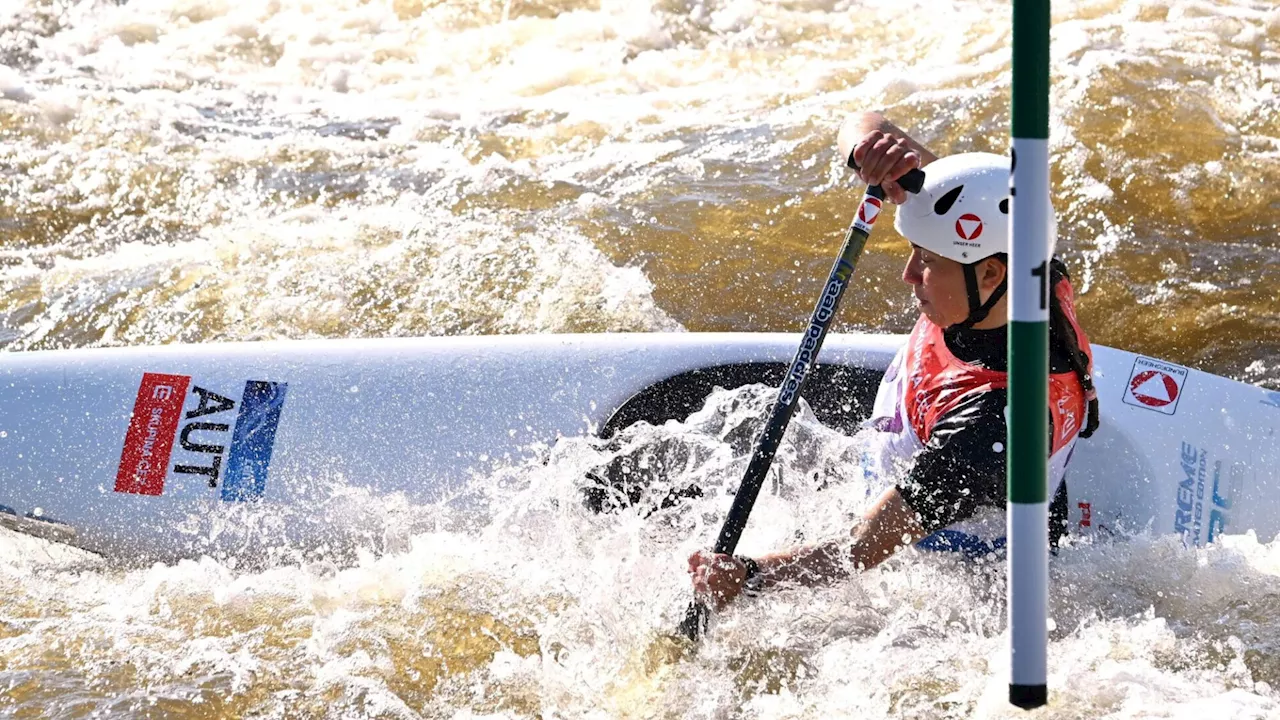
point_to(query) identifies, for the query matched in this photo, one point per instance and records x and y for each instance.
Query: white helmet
(962, 212)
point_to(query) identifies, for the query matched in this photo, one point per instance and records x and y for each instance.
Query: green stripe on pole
(1028, 402)
(1031, 68)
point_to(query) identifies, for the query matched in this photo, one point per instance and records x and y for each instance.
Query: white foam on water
(202, 170)
(515, 601)
(12, 87)
(402, 269)
(165, 120)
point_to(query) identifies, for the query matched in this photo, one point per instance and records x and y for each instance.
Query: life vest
(925, 381)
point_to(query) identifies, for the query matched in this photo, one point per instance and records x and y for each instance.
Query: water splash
(535, 606)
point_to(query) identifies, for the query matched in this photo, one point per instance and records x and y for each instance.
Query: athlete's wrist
(752, 583)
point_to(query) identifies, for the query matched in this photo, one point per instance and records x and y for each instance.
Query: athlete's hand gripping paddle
(695, 619)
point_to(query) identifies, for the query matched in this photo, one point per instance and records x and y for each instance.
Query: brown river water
(200, 171)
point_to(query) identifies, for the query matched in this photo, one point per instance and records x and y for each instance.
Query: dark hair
(1062, 336)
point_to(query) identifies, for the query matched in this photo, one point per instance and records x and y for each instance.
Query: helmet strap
(979, 310)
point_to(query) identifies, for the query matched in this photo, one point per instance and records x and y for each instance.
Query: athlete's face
(938, 284)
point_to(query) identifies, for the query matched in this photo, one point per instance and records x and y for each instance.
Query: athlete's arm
(886, 527)
(959, 470)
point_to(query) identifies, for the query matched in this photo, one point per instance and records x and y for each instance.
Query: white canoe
(118, 450)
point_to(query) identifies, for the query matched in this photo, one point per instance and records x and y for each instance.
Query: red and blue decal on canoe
(202, 436)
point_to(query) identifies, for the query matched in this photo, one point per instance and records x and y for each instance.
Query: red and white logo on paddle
(869, 211)
(1155, 385)
(969, 226)
(1153, 388)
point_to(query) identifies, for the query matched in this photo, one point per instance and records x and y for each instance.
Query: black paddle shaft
(766, 447)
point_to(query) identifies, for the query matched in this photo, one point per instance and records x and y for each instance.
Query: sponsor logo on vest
(1069, 422)
(203, 431)
(1086, 514)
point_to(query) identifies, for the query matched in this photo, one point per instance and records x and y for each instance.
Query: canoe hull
(128, 449)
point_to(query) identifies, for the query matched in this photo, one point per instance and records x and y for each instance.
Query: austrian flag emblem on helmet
(969, 226)
(962, 210)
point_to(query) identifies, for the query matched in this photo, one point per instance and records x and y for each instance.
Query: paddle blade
(695, 621)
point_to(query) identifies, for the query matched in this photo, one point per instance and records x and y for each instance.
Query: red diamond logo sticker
(969, 226)
(1155, 385)
(869, 211)
(1154, 388)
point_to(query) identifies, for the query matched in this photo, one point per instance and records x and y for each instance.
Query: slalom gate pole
(1028, 416)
